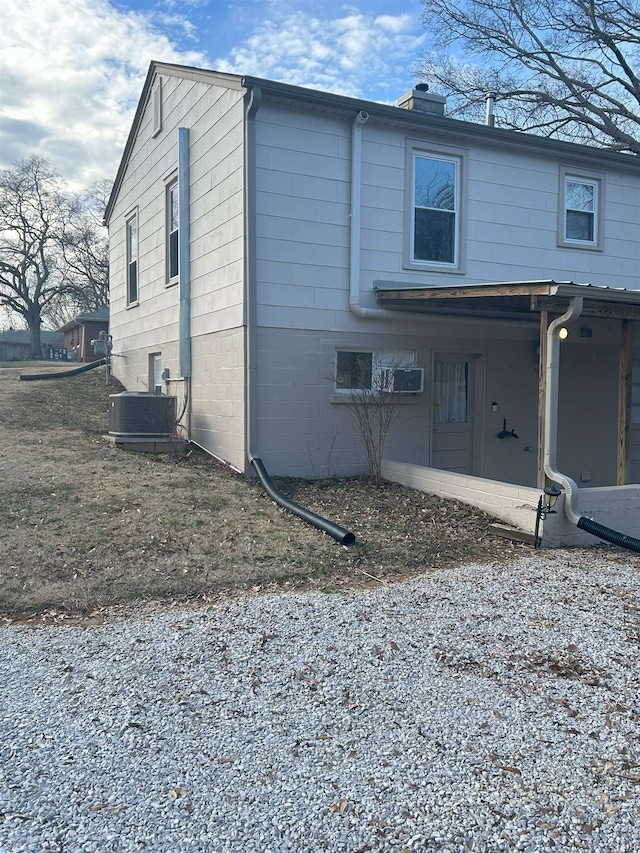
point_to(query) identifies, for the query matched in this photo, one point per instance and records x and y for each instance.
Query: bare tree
(33, 212)
(86, 248)
(563, 68)
(372, 407)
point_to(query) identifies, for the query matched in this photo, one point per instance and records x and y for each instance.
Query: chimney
(422, 100)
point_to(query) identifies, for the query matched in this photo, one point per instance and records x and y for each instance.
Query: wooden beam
(513, 533)
(542, 387)
(624, 399)
(463, 292)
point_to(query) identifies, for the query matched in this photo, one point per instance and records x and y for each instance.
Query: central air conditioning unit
(402, 380)
(142, 413)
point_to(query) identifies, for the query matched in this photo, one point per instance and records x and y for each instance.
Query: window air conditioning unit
(402, 380)
(141, 413)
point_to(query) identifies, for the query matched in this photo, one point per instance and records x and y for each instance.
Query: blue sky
(71, 71)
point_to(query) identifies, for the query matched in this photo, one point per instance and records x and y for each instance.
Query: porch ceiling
(509, 299)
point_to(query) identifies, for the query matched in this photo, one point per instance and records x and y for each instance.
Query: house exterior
(81, 330)
(15, 345)
(274, 247)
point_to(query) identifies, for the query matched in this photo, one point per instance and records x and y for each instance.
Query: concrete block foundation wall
(515, 505)
(217, 389)
(616, 507)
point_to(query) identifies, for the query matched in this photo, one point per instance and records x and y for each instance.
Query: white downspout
(354, 253)
(552, 376)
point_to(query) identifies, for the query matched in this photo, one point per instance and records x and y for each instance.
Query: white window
(580, 223)
(580, 204)
(451, 390)
(368, 370)
(132, 259)
(155, 372)
(156, 103)
(173, 230)
(435, 206)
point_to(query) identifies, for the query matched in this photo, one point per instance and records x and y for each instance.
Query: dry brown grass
(84, 526)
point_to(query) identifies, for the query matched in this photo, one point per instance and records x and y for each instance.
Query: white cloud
(343, 54)
(72, 72)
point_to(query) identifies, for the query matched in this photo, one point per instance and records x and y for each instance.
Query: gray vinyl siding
(510, 204)
(509, 218)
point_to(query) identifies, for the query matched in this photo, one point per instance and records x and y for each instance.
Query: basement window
(155, 372)
(365, 370)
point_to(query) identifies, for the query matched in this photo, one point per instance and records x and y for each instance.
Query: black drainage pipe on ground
(602, 532)
(340, 534)
(62, 374)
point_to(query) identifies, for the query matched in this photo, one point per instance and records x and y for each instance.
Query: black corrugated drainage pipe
(602, 532)
(340, 534)
(28, 377)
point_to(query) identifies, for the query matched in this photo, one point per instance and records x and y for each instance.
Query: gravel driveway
(486, 708)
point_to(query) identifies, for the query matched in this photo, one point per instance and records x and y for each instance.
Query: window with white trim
(173, 231)
(365, 370)
(580, 222)
(436, 210)
(132, 258)
(580, 204)
(155, 372)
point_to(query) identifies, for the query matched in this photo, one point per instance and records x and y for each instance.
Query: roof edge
(202, 75)
(409, 118)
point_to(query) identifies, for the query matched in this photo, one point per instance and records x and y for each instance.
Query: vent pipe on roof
(490, 100)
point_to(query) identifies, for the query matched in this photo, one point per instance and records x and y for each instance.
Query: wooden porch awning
(517, 300)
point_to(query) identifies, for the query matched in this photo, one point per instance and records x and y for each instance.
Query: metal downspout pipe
(551, 408)
(254, 99)
(184, 268)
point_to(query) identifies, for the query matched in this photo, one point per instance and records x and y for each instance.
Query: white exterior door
(452, 412)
